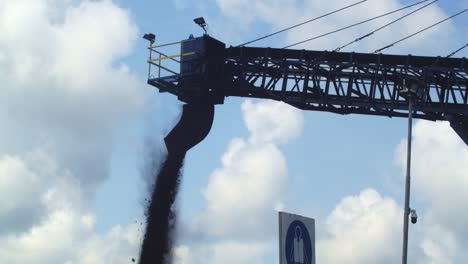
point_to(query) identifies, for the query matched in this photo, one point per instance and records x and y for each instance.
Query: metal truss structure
(337, 82)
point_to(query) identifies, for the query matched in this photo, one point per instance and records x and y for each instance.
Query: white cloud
(229, 252)
(440, 246)
(62, 231)
(272, 122)
(20, 186)
(439, 173)
(63, 86)
(246, 189)
(64, 90)
(239, 220)
(253, 173)
(68, 237)
(440, 180)
(365, 228)
(361, 229)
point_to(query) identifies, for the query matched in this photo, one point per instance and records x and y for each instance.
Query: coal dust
(193, 126)
(161, 213)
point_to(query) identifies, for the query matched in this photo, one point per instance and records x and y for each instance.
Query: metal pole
(159, 68)
(150, 58)
(408, 181)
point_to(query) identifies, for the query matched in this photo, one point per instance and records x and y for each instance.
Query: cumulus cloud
(246, 188)
(62, 83)
(63, 86)
(440, 172)
(21, 185)
(361, 229)
(239, 220)
(253, 175)
(367, 228)
(440, 180)
(50, 224)
(222, 252)
(440, 246)
(64, 90)
(271, 122)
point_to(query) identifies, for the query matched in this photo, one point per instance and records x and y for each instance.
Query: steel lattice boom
(338, 82)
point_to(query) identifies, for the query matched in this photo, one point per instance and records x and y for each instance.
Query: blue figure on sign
(297, 254)
(298, 244)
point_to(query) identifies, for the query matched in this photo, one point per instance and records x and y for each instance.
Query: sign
(296, 239)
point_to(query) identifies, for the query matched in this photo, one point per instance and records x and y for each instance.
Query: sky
(79, 126)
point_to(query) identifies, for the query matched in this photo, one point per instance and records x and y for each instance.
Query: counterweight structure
(337, 82)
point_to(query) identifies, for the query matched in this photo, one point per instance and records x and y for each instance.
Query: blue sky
(334, 157)
(344, 171)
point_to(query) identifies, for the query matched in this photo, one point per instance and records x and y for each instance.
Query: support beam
(336, 82)
(460, 125)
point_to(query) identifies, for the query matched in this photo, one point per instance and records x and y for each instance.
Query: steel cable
(355, 24)
(458, 50)
(302, 23)
(382, 27)
(419, 31)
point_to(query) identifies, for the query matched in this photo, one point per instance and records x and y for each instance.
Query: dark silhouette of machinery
(206, 72)
(192, 128)
(337, 82)
(197, 117)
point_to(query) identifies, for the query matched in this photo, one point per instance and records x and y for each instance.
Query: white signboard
(296, 239)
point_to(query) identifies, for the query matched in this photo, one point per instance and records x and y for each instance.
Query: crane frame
(337, 82)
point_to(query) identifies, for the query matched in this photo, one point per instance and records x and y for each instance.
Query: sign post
(296, 239)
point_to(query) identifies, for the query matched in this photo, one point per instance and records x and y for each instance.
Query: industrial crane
(330, 81)
(206, 72)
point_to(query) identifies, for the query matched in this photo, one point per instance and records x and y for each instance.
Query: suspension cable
(355, 24)
(458, 50)
(302, 23)
(420, 31)
(382, 27)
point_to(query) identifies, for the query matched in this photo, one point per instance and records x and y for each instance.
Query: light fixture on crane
(150, 37)
(201, 22)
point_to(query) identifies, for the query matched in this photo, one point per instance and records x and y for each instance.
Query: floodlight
(411, 88)
(201, 22)
(150, 37)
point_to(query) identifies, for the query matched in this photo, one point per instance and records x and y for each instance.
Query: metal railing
(161, 57)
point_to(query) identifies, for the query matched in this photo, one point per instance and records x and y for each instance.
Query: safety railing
(157, 59)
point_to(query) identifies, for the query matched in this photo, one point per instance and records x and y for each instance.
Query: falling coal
(161, 213)
(192, 128)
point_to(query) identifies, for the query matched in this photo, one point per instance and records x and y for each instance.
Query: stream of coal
(161, 213)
